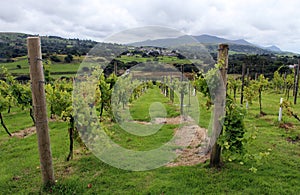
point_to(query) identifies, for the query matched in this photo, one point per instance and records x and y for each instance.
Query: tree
(54, 58)
(249, 94)
(233, 85)
(68, 58)
(233, 137)
(259, 85)
(289, 84)
(59, 97)
(4, 102)
(277, 81)
(22, 94)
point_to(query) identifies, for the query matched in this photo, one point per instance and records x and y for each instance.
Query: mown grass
(163, 59)
(279, 173)
(21, 67)
(140, 110)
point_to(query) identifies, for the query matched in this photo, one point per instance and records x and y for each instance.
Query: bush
(69, 58)
(54, 58)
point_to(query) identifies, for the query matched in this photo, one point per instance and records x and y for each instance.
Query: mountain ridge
(13, 44)
(210, 41)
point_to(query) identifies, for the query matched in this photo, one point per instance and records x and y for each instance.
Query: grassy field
(279, 173)
(162, 59)
(21, 67)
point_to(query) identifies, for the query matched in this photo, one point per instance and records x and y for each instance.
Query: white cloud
(262, 22)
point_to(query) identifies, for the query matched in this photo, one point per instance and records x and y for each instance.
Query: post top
(223, 45)
(36, 37)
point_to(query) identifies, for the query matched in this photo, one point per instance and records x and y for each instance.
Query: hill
(211, 43)
(14, 45)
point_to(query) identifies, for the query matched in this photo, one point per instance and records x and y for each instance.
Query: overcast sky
(269, 22)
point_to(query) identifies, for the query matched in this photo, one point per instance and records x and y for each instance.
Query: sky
(269, 22)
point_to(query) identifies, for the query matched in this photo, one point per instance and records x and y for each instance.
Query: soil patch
(195, 152)
(286, 125)
(293, 139)
(174, 121)
(24, 133)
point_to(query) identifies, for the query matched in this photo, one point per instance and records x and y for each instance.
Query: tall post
(219, 106)
(116, 68)
(181, 92)
(284, 80)
(295, 79)
(280, 110)
(248, 77)
(243, 83)
(296, 83)
(40, 110)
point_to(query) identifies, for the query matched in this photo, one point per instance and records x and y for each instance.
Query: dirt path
(193, 153)
(24, 133)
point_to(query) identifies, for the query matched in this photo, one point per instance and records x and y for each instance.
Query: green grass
(57, 69)
(133, 142)
(279, 173)
(163, 59)
(140, 110)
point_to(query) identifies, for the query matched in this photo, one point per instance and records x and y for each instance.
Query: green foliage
(288, 109)
(5, 97)
(14, 92)
(260, 85)
(59, 98)
(289, 84)
(233, 138)
(249, 93)
(105, 87)
(233, 84)
(278, 81)
(68, 58)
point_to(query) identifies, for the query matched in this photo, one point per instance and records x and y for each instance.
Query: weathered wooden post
(181, 91)
(295, 78)
(219, 107)
(116, 68)
(40, 110)
(296, 82)
(243, 83)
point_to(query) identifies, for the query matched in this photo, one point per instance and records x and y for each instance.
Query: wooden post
(295, 79)
(181, 92)
(40, 110)
(220, 101)
(248, 77)
(296, 83)
(285, 84)
(116, 68)
(243, 83)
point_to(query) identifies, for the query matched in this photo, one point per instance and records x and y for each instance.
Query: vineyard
(258, 153)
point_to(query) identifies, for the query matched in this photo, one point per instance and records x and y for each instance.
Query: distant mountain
(218, 40)
(210, 39)
(167, 42)
(211, 43)
(274, 48)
